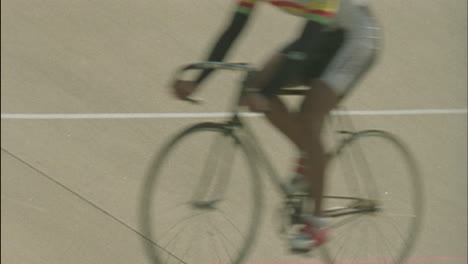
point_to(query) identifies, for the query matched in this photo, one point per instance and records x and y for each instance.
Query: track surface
(70, 185)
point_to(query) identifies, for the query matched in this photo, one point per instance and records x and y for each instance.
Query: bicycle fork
(216, 174)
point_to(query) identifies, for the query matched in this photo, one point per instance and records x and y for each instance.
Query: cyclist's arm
(225, 41)
(295, 58)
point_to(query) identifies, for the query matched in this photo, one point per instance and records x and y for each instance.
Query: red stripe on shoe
(320, 236)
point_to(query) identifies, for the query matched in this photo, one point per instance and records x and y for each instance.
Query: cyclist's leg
(317, 104)
(346, 68)
(279, 115)
(303, 128)
(286, 121)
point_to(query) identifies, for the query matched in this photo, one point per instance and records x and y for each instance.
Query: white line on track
(226, 114)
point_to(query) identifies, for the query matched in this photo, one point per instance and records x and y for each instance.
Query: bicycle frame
(247, 135)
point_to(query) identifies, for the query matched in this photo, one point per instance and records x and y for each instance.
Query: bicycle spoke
(167, 246)
(385, 243)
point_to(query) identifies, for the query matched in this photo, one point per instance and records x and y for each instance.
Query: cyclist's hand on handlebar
(183, 89)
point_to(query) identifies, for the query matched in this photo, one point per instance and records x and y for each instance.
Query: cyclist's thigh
(319, 100)
(351, 61)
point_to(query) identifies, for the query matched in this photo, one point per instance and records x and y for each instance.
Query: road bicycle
(202, 196)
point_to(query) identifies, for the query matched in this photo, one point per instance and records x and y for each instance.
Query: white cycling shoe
(312, 235)
(314, 230)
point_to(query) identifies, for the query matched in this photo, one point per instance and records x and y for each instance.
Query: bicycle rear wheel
(201, 199)
(375, 197)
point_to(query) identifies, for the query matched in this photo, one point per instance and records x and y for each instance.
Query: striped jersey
(321, 11)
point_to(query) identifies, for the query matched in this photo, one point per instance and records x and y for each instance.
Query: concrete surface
(70, 188)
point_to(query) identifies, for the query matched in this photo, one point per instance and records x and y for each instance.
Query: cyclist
(336, 47)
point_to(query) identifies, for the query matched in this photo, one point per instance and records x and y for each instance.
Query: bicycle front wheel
(375, 198)
(201, 199)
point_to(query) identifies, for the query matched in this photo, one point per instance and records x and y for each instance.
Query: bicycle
(358, 201)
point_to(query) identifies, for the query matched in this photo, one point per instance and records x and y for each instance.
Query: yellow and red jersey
(321, 11)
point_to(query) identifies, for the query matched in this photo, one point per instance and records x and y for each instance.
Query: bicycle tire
(357, 230)
(156, 247)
